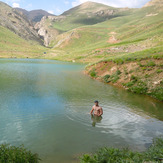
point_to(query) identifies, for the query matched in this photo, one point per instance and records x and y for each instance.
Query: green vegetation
(137, 36)
(140, 88)
(12, 154)
(106, 78)
(159, 70)
(78, 16)
(104, 155)
(148, 64)
(115, 76)
(93, 73)
(112, 78)
(157, 93)
(11, 45)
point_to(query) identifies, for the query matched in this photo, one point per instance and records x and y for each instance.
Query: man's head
(96, 103)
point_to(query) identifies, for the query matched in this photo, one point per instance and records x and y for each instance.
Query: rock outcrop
(45, 29)
(18, 23)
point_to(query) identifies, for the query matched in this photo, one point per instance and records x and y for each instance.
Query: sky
(59, 6)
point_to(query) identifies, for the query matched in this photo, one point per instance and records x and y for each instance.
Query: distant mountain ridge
(34, 15)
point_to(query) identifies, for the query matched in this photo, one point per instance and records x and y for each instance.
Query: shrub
(119, 61)
(129, 84)
(105, 78)
(157, 93)
(118, 72)
(12, 154)
(147, 76)
(114, 78)
(93, 73)
(159, 71)
(140, 88)
(150, 64)
(125, 71)
(134, 78)
(109, 155)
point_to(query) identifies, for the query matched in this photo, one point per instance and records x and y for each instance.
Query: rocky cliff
(18, 23)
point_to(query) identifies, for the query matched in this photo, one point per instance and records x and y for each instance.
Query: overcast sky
(59, 6)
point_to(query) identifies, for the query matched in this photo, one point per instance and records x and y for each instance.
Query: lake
(44, 105)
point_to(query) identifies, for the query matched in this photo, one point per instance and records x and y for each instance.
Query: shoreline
(102, 73)
(130, 77)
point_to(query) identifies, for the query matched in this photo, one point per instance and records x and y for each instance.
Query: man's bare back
(96, 109)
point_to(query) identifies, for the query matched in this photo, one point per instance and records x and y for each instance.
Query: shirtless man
(96, 110)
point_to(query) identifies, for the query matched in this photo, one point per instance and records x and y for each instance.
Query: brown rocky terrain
(144, 77)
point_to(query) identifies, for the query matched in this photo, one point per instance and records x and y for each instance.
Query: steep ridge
(18, 23)
(34, 15)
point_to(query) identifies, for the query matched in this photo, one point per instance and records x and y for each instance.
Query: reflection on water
(44, 105)
(95, 119)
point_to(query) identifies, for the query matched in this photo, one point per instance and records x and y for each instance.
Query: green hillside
(88, 13)
(11, 45)
(134, 34)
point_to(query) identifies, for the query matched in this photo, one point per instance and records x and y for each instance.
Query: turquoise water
(45, 104)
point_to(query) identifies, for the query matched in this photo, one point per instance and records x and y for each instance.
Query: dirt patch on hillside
(112, 38)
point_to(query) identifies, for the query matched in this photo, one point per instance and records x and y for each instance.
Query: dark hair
(96, 101)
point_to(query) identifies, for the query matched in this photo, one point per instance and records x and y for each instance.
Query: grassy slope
(11, 45)
(82, 15)
(135, 28)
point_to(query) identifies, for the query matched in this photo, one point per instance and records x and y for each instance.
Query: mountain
(125, 50)
(128, 29)
(18, 38)
(156, 3)
(34, 15)
(88, 13)
(18, 23)
(13, 46)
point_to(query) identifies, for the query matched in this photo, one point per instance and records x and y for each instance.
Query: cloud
(16, 5)
(51, 12)
(115, 3)
(66, 2)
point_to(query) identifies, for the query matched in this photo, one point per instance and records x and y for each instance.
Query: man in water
(97, 110)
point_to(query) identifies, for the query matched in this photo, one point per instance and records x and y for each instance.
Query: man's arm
(92, 110)
(101, 111)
